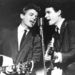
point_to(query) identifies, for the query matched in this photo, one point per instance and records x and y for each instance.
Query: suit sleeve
(69, 56)
(37, 49)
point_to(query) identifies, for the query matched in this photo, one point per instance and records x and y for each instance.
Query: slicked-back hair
(30, 6)
(56, 6)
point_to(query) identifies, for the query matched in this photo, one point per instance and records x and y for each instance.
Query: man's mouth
(32, 21)
(48, 19)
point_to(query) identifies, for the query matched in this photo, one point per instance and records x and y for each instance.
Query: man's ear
(21, 16)
(59, 11)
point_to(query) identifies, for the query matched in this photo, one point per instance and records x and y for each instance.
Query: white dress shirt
(21, 30)
(59, 24)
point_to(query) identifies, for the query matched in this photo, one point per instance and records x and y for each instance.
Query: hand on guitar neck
(8, 67)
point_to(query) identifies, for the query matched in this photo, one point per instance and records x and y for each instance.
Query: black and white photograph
(37, 37)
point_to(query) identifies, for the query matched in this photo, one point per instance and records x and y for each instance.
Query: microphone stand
(43, 46)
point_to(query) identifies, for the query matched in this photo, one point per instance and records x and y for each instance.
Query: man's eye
(36, 17)
(48, 12)
(31, 14)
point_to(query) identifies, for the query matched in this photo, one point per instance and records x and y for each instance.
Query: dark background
(9, 10)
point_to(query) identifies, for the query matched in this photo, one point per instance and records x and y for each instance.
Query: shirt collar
(59, 24)
(22, 28)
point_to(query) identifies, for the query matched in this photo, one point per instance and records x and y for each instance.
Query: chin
(30, 26)
(50, 23)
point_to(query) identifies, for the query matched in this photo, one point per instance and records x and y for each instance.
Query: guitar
(50, 52)
(9, 68)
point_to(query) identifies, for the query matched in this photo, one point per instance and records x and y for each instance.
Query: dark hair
(56, 6)
(30, 6)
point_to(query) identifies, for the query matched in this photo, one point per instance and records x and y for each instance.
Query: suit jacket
(65, 43)
(30, 48)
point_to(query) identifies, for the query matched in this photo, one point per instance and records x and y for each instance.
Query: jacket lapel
(24, 49)
(63, 28)
(28, 36)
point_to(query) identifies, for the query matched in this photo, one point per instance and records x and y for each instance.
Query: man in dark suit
(64, 41)
(12, 43)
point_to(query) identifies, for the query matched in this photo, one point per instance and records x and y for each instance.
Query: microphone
(41, 21)
(41, 25)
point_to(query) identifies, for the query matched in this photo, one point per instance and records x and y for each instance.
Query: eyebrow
(48, 11)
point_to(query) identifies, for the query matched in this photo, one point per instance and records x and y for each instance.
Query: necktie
(57, 30)
(23, 38)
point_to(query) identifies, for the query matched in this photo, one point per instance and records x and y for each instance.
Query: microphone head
(41, 21)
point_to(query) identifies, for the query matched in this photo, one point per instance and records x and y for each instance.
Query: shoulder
(35, 32)
(5, 33)
(71, 26)
(37, 37)
(71, 23)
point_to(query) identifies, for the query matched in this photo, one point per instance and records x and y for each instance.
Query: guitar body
(7, 66)
(5, 61)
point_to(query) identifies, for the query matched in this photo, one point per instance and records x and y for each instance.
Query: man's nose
(46, 16)
(34, 18)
